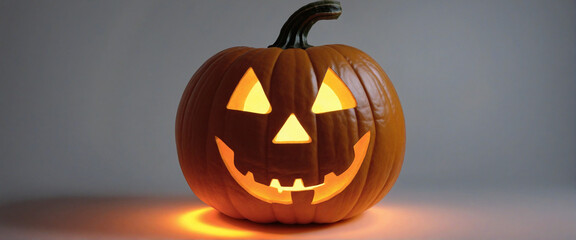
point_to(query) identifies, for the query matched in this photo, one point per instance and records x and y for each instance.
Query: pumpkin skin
(290, 79)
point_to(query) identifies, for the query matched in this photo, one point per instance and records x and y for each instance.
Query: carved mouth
(275, 193)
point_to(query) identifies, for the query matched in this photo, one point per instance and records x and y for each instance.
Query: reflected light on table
(197, 221)
(206, 221)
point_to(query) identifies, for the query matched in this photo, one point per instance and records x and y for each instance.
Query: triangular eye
(333, 95)
(249, 95)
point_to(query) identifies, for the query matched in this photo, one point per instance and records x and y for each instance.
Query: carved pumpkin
(291, 133)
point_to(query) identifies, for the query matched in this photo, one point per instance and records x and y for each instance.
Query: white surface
(528, 214)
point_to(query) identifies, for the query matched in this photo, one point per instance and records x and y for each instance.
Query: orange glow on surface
(333, 95)
(249, 96)
(292, 132)
(209, 223)
(194, 221)
(275, 193)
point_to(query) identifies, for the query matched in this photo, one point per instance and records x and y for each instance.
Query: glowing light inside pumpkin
(275, 193)
(333, 95)
(292, 132)
(249, 96)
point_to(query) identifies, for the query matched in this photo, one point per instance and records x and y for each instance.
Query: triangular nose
(292, 132)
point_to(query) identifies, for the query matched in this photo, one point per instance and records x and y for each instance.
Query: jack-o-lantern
(291, 133)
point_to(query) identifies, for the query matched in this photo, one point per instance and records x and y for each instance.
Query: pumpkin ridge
(368, 155)
(279, 211)
(314, 207)
(319, 80)
(390, 94)
(210, 70)
(224, 72)
(269, 134)
(390, 178)
(271, 207)
(207, 159)
(227, 193)
(363, 185)
(370, 168)
(319, 178)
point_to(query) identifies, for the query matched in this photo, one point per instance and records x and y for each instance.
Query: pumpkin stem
(294, 33)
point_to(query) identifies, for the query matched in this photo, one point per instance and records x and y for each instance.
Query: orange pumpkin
(291, 133)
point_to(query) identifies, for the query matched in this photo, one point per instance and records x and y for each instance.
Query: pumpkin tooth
(250, 175)
(276, 184)
(330, 178)
(298, 184)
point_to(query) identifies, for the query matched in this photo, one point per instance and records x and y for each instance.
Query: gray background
(89, 89)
